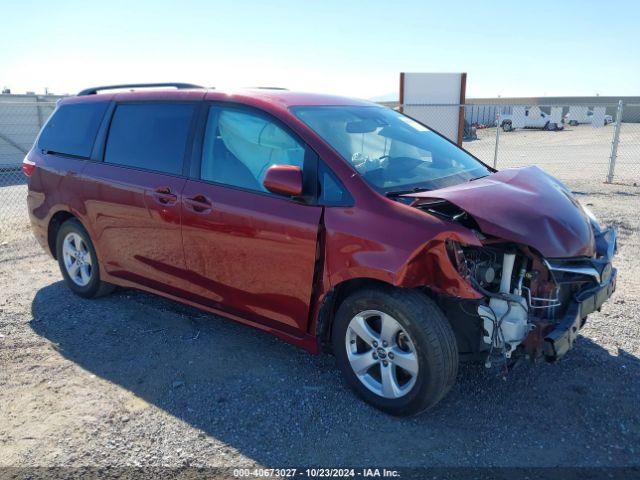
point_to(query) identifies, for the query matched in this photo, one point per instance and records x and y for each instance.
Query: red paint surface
(253, 254)
(284, 179)
(527, 206)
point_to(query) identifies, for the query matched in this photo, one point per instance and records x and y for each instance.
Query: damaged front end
(533, 306)
(543, 263)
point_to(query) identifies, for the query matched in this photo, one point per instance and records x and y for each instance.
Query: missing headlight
(480, 265)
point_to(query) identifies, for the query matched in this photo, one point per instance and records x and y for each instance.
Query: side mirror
(284, 180)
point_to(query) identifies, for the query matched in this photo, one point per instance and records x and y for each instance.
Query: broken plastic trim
(557, 268)
(446, 210)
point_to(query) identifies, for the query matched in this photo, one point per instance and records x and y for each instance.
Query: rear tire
(78, 261)
(507, 126)
(420, 339)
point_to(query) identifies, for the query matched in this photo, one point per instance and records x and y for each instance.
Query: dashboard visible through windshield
(392, 152)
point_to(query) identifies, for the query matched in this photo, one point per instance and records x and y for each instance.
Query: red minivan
(336, 224)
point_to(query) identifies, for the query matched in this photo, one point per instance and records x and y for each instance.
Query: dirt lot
(132, 379)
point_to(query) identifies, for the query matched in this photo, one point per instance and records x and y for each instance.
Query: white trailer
(579, 114)
(530, 117)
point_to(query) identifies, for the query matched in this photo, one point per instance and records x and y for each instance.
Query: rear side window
(152, 136)
(72, 129)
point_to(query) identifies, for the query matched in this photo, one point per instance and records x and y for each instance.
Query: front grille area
(574, 271)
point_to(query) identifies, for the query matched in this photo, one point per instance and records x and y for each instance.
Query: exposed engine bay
(506, 277)
(525, 296)
(532, 305)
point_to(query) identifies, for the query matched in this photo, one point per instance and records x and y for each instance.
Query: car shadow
(280, 406)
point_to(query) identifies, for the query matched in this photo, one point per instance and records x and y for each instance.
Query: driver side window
(240, 146)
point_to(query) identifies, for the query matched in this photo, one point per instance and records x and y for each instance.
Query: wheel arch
(56, 221)
(332, 301)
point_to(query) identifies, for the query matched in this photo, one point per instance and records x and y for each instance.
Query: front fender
(430, 266)
(402, 254)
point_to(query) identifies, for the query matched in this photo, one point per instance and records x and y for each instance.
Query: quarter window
(332, 193)
(72, 129)
(240, 146)
(152, 136)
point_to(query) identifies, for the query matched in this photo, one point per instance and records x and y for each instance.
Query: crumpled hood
(524, 205)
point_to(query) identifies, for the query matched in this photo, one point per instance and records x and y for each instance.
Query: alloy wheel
(77, 259)
(381, 354)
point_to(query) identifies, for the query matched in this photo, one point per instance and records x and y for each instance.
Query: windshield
(392, 152)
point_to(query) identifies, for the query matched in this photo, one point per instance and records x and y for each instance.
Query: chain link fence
(572, 142)
(625, 167)
(20, 123)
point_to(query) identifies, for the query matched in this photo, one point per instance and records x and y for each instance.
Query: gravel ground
(132, 379)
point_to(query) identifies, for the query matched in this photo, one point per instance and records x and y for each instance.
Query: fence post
(40, 120)
(495, 152)
(614, 143)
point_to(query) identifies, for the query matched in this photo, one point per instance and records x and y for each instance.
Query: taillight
(28, 167)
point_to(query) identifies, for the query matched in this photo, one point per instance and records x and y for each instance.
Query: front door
(249, 252)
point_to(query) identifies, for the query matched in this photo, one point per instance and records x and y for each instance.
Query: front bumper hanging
(560, 340)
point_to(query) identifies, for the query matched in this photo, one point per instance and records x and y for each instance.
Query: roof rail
(270, 88)
(95, 90)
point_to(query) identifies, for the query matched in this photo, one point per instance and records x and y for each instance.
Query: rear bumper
(560, 340)
(38, 224)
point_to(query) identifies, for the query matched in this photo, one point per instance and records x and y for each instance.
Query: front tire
(395, 349)
(78, 261)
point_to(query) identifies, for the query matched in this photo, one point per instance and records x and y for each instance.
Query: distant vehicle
(532, 119)
(469, 133)
(588, 118)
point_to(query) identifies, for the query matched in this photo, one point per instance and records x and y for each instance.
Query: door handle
(164, 196)
(198, 203)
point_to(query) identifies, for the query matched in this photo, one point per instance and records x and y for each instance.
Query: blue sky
(356, 48)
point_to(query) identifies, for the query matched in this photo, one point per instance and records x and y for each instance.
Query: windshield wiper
(405, 192)
(481, 176)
